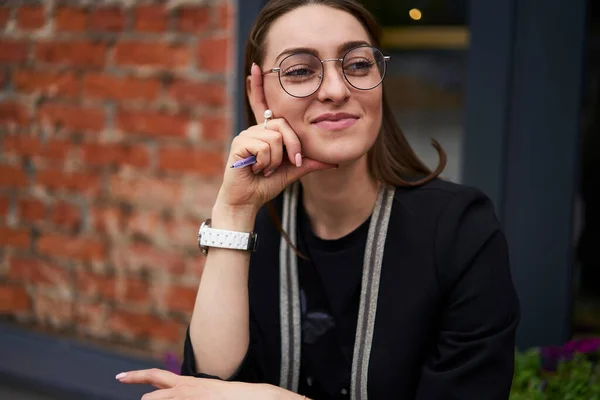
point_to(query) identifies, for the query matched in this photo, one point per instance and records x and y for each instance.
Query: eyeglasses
(301, 74)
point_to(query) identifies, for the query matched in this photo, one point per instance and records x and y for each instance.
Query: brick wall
(114, 123)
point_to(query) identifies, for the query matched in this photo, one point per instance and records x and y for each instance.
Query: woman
(373, 278)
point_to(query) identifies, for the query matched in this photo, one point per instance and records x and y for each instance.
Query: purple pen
(244, 163)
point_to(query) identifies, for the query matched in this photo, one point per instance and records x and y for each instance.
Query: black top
(446, 315)
(330, 295)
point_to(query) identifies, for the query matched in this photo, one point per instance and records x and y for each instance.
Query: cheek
(282, 104)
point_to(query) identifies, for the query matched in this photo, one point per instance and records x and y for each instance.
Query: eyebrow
(342, 48)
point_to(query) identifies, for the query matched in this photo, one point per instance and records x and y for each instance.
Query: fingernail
(298, 160)
(257, 172)
(121, 375)
(269, 173)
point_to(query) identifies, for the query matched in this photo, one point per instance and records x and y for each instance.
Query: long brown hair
(391, 159)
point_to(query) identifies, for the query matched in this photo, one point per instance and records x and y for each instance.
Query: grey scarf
(289, 298)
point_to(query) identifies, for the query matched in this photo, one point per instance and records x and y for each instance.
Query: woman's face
(325, 136)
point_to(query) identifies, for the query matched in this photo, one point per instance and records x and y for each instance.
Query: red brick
(145, 326)
(13, 51)
(4, 205)
(152, 123)
(112, 288)
(72, 117)
(198, 93)
(21, 144)
(146, 190)
(107, 220)
(122, 154)
(37, 272)
(183, 232)
(4, 15)
(152, 226)
(193, 19)
(56, 84)
(205, 163)
(213, 54)
(66, 215)
(82, 54)
(181, 298)
(150, 18)
(93, 285)
(225, 16)
(216, 128)
(30, 17)
(108, 87)
(53, 310)
(107, 19)
(68, 247)
(75, 181)
(14, 299)
(18, 238)
(70, 19)
(156, 54)
(12, 176)
(148, 224)
(55, 149)
(13, 112)
(145, 257)
(195, 267)
(90, 317)
(31, 210)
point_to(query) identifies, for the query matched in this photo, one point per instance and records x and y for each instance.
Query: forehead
(315, 26)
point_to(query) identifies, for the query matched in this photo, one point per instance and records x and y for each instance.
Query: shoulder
(463, 222)
(439, 197)
(451, 206)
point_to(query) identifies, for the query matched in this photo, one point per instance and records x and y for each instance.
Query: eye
(298, 71)
(358, 65)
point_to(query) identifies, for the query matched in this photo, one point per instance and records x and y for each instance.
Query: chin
(339, 153)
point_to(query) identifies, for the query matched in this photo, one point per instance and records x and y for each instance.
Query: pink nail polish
(121, 375)
(298, 160)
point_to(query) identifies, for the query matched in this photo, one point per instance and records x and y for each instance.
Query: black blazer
(447, 310)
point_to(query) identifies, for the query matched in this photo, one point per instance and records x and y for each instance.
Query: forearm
(277, 393)
(219, 328)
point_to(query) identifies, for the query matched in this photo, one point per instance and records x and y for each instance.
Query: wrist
(233, 218)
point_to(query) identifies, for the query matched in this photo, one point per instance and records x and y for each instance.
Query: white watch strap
(212, 237)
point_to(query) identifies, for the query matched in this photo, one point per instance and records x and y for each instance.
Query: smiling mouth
(335, 122)
(338, 124)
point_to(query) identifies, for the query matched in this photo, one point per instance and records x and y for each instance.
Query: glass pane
(425, 79)
(587, 207)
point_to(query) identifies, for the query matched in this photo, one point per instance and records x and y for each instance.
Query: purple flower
(552, 355)
(588, 345)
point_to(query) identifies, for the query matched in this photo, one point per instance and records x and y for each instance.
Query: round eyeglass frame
(278, 70)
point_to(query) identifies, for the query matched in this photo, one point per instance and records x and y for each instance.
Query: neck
(338, 201)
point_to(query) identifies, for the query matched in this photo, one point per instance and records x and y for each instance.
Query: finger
(161, 394)
(290, 173)
(290, 140)
(258, 101)
(275, 140)
(246, 146)
(158, 378)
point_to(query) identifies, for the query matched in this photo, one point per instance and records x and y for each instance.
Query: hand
(175, 387)
(274, 170)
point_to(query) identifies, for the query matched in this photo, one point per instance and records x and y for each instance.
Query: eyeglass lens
(301, 74)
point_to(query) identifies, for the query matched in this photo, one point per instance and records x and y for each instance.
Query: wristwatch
(210, 237)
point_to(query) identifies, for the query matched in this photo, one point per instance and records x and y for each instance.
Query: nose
(334, 87)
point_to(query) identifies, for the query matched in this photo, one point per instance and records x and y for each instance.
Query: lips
(335, 121)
